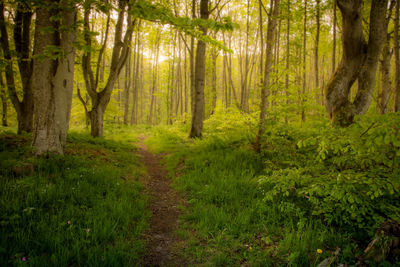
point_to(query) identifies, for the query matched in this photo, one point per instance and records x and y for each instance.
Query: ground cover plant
(312, 190)
(83, 208)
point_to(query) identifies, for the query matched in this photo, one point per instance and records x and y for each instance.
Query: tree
(271, 28)
(199, 75)
(22, 40)
(396, 106)
(101, 98)
(53, 74)
(359, 61)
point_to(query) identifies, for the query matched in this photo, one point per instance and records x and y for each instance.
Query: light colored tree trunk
(304, 86)
(287, 56)
(359, 61)
(198, 114)
(334, 37)
(52, 81)
(386, 83)
(316, 50)
(271, 28)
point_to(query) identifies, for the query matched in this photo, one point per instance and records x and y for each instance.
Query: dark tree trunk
(24, 107)
(3, 101)
(198, 114)
(52, 81)
(396, 106)
(359, 61)
(100, 99)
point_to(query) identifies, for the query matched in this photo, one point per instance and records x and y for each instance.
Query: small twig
(369, 128)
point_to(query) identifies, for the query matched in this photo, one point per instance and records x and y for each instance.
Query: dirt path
(164, 202)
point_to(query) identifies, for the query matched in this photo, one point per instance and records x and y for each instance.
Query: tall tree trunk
(287, 57)
(303, 93)
(120, 51)
(198, 115)
(192, 67)
(386, 84)
(317, 91)
(214, 55)
(396, 106)
(271, 28)
(244, 100)
(52, 81)
(359, 61)
(24, 107)
(334, 37)
(127, 88)
(3, 101)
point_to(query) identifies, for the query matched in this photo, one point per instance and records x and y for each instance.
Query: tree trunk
(271, 28)
(198, 115)
(24, 107)
(52, 81)
(303, 93)
(287, 57)
(317, 91)
(127, 88)
(120, 53)
(214, 56)
(3, 101)
(334, 37)
(386, 84)
(359, 61)
(396, 106)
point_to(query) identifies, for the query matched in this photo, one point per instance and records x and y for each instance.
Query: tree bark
(303, 93)
(359, 61)
(24, 107)
(198, 114)
(52, 81)
(287, 57)
(396, 106)
(100, 99)
(3, 102)
(386, 84)
(271, 28)
(316, 63)
(334, 37)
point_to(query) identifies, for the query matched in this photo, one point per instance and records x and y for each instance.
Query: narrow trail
(163, 203)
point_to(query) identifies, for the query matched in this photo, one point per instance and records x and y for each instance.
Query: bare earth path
(164, 202)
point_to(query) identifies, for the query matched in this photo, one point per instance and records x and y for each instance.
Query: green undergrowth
(84, 208)
(312, 189)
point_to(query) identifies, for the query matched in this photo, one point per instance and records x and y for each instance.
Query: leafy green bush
(348, 177)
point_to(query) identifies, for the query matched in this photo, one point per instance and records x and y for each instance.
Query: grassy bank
(85, 208)
(312, 190)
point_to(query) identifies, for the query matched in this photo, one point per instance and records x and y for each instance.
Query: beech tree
(53, 74)
(100, 97)
(23, 51)
(359, 61)
(199, 75)
(271, 28)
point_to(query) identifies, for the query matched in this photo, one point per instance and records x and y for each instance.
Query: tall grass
(84, 208)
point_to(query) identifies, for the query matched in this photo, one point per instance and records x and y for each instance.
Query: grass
(230, 221)
(84, 208)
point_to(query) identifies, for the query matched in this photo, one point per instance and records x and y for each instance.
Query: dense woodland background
(280, 119)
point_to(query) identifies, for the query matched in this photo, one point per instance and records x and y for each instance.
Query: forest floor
(164, 205)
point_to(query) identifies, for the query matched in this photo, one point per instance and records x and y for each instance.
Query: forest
(199, 133)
